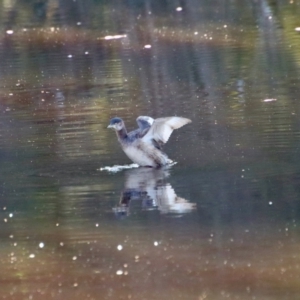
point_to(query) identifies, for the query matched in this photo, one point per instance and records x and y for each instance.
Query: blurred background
(223, 223)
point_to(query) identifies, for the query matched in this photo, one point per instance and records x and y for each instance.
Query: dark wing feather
(144, 123)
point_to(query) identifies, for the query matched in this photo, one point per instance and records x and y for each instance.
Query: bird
(144, 145)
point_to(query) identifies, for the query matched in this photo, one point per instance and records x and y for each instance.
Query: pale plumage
(144, 145)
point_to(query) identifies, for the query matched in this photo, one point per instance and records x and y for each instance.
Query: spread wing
(144, 123)
(162, 129)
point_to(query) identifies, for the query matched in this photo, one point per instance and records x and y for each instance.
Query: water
(222, 223)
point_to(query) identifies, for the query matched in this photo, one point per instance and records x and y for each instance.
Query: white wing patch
(162, 128)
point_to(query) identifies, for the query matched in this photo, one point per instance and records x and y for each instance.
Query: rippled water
(222, 223)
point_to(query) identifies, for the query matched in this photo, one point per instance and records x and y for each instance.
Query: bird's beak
(110, 126)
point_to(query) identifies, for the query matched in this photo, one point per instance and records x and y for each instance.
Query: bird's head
(116, 123)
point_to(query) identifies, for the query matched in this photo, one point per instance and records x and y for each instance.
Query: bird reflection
(149, 186)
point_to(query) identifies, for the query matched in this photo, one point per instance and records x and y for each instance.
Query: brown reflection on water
(166, 258)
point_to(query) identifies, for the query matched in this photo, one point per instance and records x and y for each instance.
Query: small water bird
(144, 145)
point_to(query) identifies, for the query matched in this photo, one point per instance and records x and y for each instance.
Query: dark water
(223, 223)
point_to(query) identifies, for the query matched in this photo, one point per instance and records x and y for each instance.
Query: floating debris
(115, 37)
(270, 100)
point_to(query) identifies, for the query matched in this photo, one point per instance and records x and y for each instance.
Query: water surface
(222, 223)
